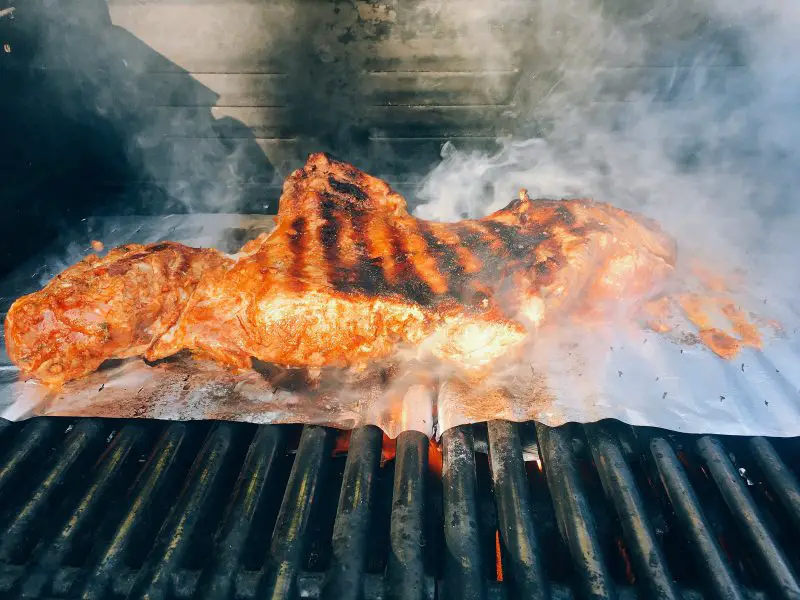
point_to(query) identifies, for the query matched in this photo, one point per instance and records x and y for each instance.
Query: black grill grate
(104, 509)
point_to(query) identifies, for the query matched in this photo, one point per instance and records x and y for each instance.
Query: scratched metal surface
(639, 377)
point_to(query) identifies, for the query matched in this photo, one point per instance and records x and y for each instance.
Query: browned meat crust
(103, 308)
(348, 276)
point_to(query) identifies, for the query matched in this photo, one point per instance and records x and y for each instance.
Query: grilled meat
(348, 276)
(117, 306)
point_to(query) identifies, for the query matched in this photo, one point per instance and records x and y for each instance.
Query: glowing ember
(342, 443)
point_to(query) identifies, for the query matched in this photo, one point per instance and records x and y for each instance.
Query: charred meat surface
(347, 276)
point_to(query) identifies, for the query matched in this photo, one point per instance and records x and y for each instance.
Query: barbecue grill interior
(163, 107)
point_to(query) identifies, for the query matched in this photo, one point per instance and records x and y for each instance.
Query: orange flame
(498, 561)
(435, 458)
(342, 443)
(389, 451)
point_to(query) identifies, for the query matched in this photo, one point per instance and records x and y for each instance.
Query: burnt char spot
(518, 245)
(543, 269)
(564, 215)
(124, 264)
(409, 283)
(480, 244)
(347, 188)
(329, 237)
(447, 261)
(115, 269)
(183, 265)
(159, 247)
(297, 245)
(584, 231)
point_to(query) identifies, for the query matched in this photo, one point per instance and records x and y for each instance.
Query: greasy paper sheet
(636, 376)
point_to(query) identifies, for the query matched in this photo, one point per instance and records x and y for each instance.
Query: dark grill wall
(159, 106)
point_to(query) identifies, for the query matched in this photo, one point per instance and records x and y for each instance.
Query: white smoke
(686, 112)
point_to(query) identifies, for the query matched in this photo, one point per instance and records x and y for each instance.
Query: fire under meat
(348, 276)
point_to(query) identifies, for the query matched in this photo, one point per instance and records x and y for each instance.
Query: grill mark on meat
(447, 261)
(297, 245)
(369, 276)
(486, 238)
(408, 282)
(329, 238)
(379, 249)
(483, 244)
(348, 189)
(422, 258)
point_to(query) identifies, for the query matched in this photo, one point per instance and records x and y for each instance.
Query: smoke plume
(684, 110)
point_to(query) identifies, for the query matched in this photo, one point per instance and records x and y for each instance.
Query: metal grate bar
(33, 435)
(309, 586)
(185, 562)
(620, 488)
(278, 578)
(185, 584)
(173, 539)
(266, 447)
(463, 575)
(510, 483)
(345, 577)
(573, 513)
(85, 434)
(748, 517)
(157, 472)
(406, 568)
(783, 483)
(38, 579)
(692, 520)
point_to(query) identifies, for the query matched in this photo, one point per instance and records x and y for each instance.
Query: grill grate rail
(107, 509)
